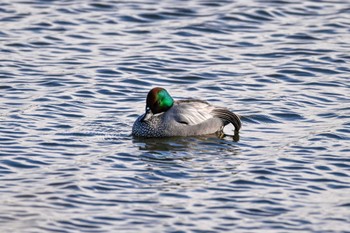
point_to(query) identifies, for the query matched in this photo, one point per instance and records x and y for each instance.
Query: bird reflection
(182, 143)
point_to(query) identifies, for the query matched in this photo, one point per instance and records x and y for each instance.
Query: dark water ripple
(73, 78)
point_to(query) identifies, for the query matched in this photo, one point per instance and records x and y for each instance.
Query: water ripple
(74, 77)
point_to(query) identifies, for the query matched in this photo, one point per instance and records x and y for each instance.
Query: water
(74, 76)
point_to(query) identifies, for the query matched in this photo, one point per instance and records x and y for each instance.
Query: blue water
(74, 76)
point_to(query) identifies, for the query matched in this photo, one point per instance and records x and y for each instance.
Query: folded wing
(192, 112)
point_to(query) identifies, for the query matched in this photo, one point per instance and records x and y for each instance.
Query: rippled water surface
(74, 76)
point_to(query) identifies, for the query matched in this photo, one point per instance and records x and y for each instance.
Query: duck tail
(228, 117)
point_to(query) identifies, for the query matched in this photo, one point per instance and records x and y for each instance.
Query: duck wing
(191, 112)
(228, 117)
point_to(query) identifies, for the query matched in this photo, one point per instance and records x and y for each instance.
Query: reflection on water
(181, 148)
(74, 77)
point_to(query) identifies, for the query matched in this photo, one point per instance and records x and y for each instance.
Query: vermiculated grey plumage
(186, 118)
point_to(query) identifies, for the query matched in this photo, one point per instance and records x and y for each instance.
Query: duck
(165, 117)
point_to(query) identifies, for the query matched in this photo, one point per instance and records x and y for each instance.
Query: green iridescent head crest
(159, 100)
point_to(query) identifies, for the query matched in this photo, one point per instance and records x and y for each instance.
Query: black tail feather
(228, 117)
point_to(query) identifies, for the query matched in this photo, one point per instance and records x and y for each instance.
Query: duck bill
(148, 114)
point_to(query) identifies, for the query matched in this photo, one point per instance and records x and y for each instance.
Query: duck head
(158, 101)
